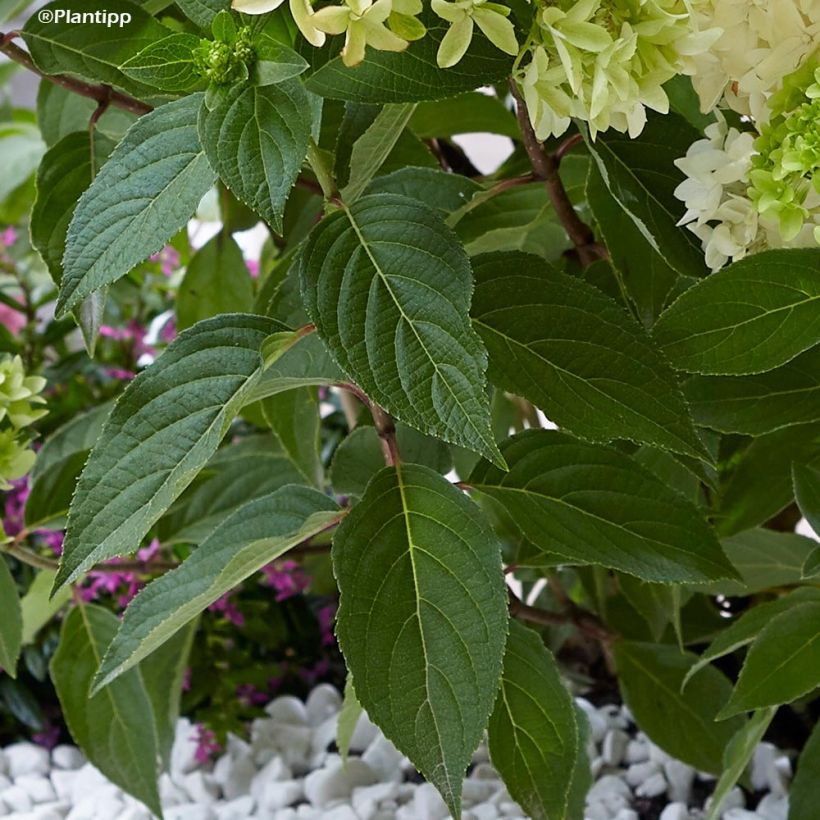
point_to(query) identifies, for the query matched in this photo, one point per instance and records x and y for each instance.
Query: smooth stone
(627, 814)
(636, 752)
(597, 722)
(637, 773)
(595, 766)
(679, 777)
(4, 763)
(201, 787)
(614, 746)
(89, 780)
(285, 814)
(51, 811)
(428, 803)
(190, 812)
(136, 812)
(739, 814)
(323, 702)
(484, 771)
(4, 809)
(101, 806)
(271, 738)
(773, 807)
(596, 810)
(63, 782)
(377, 793)
(658, 755)
(170, 793)
(733, 800)
(273, 771)
(27, 758)
(5, 782)
(235, 771)
(652, 786)
(17, 799)
(364, 734)
(384, 759)
(336, 782)
(478, 791)
(675, 811)
(323, 735)
(484, 812)
(183, 752)
(340, 813)
(762, 768)
(38, 788)
(288, 710)
(238, 809)
(67, 757)
(279, 794)
(614, 716)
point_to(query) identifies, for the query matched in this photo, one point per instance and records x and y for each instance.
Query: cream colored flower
(301, 10)
(490, 17)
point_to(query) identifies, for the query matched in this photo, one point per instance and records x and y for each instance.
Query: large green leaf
(202, 12)
(94, 52)
(411, 75)
(783, 663)
(535, 734)
(759, 403)
(422, 618)
(437, 188)
(58, 465)
(470, 113)
(66, 170)
(681, 723)
(804, 793)
(143, 195)
(403, 283)
(11, 621)
(168, 64)
(593, 504)
(256, 138)
(293, 417)
(572, 351)
(807, 493)
(216, 281)
(163, 429)
(640, 174)
(752, 316)
(252, 537)
(114, 728)
(238, 473)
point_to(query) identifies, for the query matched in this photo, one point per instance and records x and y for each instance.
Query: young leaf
(783, 663)
(143, 195)
(243, 543)
(256, 139)
(804, 793)
(38, 607)
(536, 742)
(404, 335)
(202, 12)
(115, 728)
(216, 281)
(737, 756)
(163, 429)
(577, 355)
(750, 317)
(640, 174)
(422, 618)
(349, 716)
(58, 47)
(293, 417)
(807, 492)
(11, 621)
(759, 403)
(167, 64)
(593, 504)
(681, 723)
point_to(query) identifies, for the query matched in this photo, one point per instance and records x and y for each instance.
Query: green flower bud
(15, 459)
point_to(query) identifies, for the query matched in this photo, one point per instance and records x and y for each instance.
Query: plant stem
(386, 428)
(324, 173)
(100, 93)
(585, 621)
(545, 167)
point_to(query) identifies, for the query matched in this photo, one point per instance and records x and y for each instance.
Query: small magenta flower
(206, 744)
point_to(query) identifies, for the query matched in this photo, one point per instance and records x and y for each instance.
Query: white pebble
(652, 787)
(17, 799)
(680, 777)
(384, 759)
(183, 752)
(740, 814)
(54, 811)
(288, 710)
(290, 741)
(637, 773)
(27, 758)
(279, 794)
(675, 811)
(190, 812)
(336, 782)
(238, 809)
(486, 811)
(323, 702)
(171, 794)
(273, 770)
(636, 752)
(135, 812)
(38, 788)
(627, 814)
(773, 807)
(67, 757)
(63, 782)
(597, 722)
(733, 800)
(596, 810)
(608, 786)
(234, 772)
(614, 746)
(201, 787)
(340, 813)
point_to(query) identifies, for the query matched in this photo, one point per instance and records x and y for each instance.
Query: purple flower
(326, 617)
(13, 520)
(253, 268)
(229, 609)
(168, 259)
(286, 577)
(8, 236)
(49, 737)
(248, 695)
(206, 745)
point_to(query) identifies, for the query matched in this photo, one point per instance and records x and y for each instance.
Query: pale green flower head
(463, 16)
(19, 392)
(363, 24)
(15, 459)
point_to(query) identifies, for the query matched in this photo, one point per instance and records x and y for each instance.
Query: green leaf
(572, 351)
(115, 728)
(372, 148)
(293, 417)
(643, 270)
(440, 190)
(750, 317)
(37, 607)
(411, 75)
(257, 138)
(253, 467)
(593, 504)
(21, 149)
(759, 403)
(682, 724)
(655, 603)
(641, 176)
(216, 281)
(422, 618)
(807, 493)
(163, 429)
(360, 456)
(202, 12)
(783, 663)
(163, 673)
(255, 535)
(404, 335)
(737, 756)
(536, 742)
(470, 113)
(143, 195)
(804, 792)
(94, 52)
(747, 627)
(167, 64)
(11, 621)
(349, 716)
(64, 174)
(275, 62)
(58, 465)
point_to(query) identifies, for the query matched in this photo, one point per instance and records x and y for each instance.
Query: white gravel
(285, 771)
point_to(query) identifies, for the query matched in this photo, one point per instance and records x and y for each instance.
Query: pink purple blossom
(286, 577)
(227, 606)
(168, 259)
(206, 744)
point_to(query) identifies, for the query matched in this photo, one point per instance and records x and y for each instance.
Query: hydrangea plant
(529, 426)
